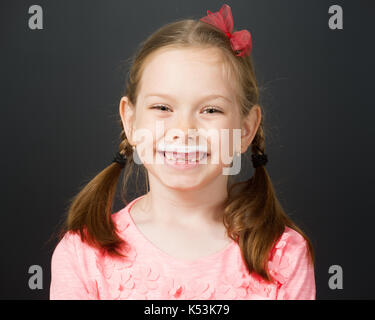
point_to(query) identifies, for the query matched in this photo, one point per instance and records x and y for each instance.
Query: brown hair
(253, 215)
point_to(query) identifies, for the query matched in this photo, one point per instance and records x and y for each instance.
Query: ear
(127, 114)
(250, 127)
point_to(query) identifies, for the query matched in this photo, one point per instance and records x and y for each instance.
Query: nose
(186, 129)
(189, 138)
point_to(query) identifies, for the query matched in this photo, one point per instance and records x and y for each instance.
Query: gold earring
(133, 148)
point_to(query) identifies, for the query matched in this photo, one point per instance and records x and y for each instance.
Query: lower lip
(182, 165)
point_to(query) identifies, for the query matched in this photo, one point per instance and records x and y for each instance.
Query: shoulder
(290, 251)
(69, 242)
(71, 269)
(121, 219)
(290, 240)
(70, 247)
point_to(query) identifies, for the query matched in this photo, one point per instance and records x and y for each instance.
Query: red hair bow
(239, 40)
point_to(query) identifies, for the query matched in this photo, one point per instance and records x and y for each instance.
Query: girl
(194, 234)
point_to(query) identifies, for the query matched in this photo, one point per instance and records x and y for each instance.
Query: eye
(209, 109)
(212, 110)
(159, 107)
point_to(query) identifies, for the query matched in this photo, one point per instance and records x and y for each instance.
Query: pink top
(79, 272)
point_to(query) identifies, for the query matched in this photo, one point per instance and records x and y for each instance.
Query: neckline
(167, 256)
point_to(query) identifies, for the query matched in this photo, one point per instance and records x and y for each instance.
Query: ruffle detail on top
(118, 274)
(174, 289)
(284, 254)
(116, 270)
(200, 289)
(259, 289)
(285, 261)
(231, 287)
(83, 272)
(121, 222)
(134, 279)
(279, 266)
(256, 287)
(128, 278)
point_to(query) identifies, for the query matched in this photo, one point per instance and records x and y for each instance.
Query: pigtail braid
(254, 217)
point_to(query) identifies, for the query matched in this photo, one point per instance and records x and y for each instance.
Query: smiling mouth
(180, 157)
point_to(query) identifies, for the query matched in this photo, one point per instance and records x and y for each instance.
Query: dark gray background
(60, 89)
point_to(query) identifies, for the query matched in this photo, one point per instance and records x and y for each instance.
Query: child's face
(187, 76)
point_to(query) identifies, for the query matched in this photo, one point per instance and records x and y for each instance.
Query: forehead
(186, 73)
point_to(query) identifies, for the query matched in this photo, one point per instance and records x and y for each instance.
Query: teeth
(183, 157)
(168, 155)
(162, 146)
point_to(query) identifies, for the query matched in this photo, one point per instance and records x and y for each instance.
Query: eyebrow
(208, 97)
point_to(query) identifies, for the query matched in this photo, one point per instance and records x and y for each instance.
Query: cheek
(223, 145)
(144, 138)
(157, 126)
